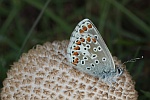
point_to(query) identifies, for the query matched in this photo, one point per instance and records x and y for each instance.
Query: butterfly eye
(120, 71)
(103, 59)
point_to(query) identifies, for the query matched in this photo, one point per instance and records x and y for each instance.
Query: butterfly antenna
(132, 60)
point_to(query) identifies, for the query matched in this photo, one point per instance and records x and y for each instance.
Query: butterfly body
(88, 52)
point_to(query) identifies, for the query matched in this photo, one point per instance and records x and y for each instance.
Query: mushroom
(44, 74)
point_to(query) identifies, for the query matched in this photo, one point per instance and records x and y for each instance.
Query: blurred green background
(123, 24)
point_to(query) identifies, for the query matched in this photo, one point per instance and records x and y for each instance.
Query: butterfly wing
(87, 50)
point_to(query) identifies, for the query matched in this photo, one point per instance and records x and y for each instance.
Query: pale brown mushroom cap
(44, 74)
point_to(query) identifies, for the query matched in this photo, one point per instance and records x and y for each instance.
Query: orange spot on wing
(79, 43)
(75, 61)
(89, 25)
(84, 28)
(82, 40)
(88, 39)
(77, 48)
(81, 31)
(75, 53)
(94, 40)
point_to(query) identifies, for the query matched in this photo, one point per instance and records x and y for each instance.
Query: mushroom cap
(44, 74)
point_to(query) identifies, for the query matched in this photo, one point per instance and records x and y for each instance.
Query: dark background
(123, 24)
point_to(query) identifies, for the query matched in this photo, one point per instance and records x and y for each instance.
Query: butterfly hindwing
(87, 51)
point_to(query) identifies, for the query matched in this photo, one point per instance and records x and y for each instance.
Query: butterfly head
(119, 71)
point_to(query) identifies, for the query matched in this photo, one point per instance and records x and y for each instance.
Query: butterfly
(88, 53)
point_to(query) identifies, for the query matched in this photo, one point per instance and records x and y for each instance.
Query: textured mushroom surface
(44, 74)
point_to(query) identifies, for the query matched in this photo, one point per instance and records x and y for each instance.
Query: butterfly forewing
(106, 51)
(87, 50)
